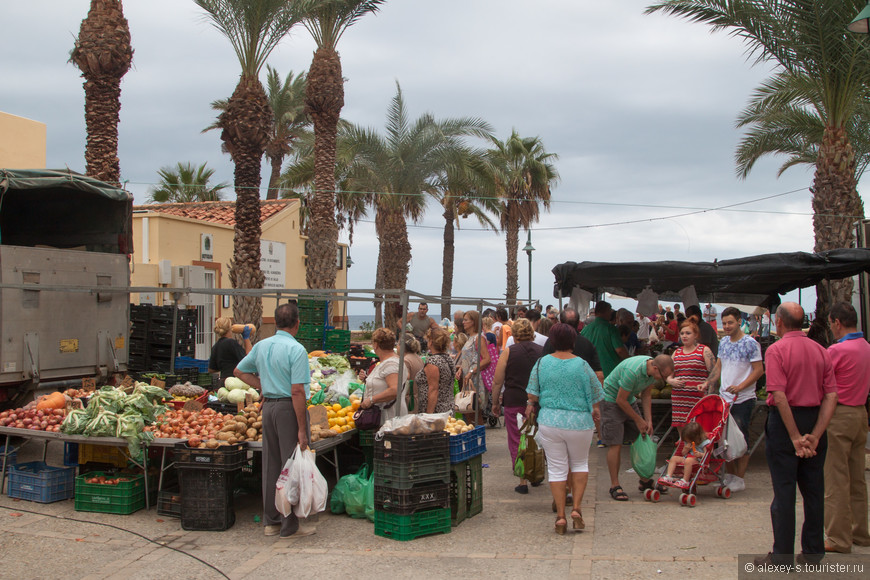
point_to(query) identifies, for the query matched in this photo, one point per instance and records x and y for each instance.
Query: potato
(241, 426)
(257, 425)
(212, 444)
(232, 440)
(228, 427)
(223, 436)
(251, 433)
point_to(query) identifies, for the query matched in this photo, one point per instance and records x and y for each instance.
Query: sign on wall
(273, 263)
(206, 252)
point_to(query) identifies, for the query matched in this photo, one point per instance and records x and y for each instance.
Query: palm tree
(326, 20)
(401, 167)
(466, 190)
(254, 28)
(523, 173)
(287, 100)
(185, 183)
(103, 53)
(821, 70)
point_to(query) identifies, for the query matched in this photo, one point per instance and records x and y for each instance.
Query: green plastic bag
(355, 495)
(318, 397)
(336, 500)
(530, 463)
(643, 456)
(370, 498)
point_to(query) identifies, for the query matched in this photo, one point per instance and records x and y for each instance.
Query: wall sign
(273, 263)
(206, 251)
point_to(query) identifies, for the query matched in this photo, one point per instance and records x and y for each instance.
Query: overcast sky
(640, 110)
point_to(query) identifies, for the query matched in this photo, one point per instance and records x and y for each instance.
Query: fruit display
(209, 429)
(661, 393)
(456, 426)
(339, 419)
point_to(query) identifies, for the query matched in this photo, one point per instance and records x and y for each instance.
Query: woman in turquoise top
(568, 392)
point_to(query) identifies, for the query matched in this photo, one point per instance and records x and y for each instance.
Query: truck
(65, 254)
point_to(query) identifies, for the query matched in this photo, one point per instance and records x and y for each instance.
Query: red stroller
(711, 413)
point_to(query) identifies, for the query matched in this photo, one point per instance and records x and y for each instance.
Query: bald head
(665, 363)
(789, 316)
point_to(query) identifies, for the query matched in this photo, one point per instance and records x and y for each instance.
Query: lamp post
(861, 23)
(528, 250)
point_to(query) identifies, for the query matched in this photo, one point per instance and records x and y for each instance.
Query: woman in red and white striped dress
(692, 365)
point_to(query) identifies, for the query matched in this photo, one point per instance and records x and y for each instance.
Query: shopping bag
(733, 444)
(465, 400)
(370, 498)
(282, 504)
(530, 464)
(336, 500)
(643, 456)
(356, 491)
(313, 489)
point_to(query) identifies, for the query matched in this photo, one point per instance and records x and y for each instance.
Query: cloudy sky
(640, 110)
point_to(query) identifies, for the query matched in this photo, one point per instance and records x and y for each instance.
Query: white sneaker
(736, 483)
(272, 530)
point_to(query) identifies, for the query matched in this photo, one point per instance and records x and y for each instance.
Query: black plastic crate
(418, 498)
(406, 448)
(407, 475)
(207, 499)
(224, 458)
(137, 363)
(169, 503)
(466, 489)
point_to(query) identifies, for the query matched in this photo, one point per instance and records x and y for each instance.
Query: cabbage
(222, 394)
(255, 396)
(233, 383)
(236, 396)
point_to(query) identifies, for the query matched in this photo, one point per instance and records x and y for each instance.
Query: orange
(336, 407)
(355, 405)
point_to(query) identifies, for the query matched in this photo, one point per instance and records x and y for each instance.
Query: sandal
(579, 524)
(617, 493)
(561, 528)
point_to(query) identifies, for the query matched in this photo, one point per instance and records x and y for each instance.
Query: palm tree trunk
(274, 176)
(512, 244)
(836, 207)
(245, 266)
(103, 53)
(324, 99)
(448, 256)
(394, 256)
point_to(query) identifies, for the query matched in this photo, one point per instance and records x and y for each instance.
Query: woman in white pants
(568, 392)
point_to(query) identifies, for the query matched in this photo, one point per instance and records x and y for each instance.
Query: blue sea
(354, 320)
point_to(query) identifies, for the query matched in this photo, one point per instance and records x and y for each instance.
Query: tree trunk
(512, 233)
(448, 256)
(836, 207)
(275, 161)
(324, 99)
(103, 53)
(394, 256)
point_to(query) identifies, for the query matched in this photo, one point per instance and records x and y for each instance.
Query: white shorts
(566, 449)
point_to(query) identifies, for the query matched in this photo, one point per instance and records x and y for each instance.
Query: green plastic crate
(316, 317)
(125, 498)
(466, 489)
(474, 486)
(311, 304)
(409, 527)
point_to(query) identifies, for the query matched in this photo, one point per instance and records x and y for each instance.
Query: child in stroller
(694, 445)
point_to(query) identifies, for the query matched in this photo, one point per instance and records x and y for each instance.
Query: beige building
(189, 245)
(22, 143)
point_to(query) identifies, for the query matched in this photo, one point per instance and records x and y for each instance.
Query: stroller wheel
(647, 494)
(724, 492)
(655, 495)
(683, 497)
(691, 499)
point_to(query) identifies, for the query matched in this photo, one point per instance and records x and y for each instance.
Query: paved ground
(512, 538)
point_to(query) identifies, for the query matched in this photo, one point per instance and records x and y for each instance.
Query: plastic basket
(467, 445)
(311, 304)
(366, 438)
(407, 475)
(312, 316)
(102, 454)
(124, 498)
(203, 398)
(466, 489)
(418, 498)
(407, 448)
(207, 499)
(474, 486)
(36, 481)
(184, 362)
(169, 503)
(224, 458)
(310, 331)
(407, 527)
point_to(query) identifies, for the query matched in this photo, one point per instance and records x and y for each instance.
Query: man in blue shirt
(282, 366)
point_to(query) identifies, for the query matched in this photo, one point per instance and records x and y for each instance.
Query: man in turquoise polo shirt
(605, 337)
(282, 366)
(632, 378)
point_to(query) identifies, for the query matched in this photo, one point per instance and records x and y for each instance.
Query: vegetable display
(33, 419)
(235, 390)
(209, 429)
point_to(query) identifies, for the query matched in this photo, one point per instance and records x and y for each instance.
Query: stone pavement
(512, 538)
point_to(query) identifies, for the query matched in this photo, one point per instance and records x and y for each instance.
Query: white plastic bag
(732, 445)
(311, 485)
(282, 504)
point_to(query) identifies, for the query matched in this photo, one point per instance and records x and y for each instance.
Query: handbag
(531, 463)
(465, 400)
(369, 419)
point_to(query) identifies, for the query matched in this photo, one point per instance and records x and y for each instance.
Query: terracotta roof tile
(218, 212)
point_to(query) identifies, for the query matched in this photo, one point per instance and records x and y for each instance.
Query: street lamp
(861, 23)
(528, 250)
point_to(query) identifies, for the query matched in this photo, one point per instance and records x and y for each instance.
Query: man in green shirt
(605, 337)
(632, 378)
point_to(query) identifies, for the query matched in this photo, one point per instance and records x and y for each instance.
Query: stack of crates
(412, 485)
(337, 340)
(312, 323)
(206, 478)
(151, 336)
(466, 474)
(367, 445)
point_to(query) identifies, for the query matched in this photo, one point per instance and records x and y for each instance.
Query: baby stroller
(711, 413)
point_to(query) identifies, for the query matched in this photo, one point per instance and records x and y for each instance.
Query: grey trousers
(280, 437)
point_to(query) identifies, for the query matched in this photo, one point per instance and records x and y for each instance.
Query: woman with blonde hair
(382, 385)
(227, 352)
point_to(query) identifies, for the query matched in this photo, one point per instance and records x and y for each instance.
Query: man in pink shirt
(802, 397)
(845, 489)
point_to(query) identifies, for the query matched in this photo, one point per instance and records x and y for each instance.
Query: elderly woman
(434, 383)
(227, 352)
(473, 358)
(569, 394)
(512, 372)
(382, 385)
